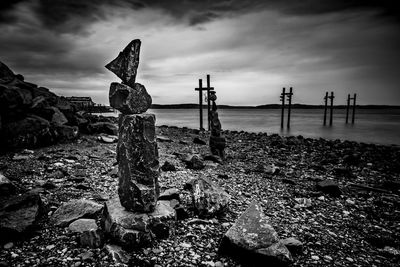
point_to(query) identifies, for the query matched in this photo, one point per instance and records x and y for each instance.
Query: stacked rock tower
(137, 154)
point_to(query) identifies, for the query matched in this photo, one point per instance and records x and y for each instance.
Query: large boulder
(32, 131)
(14, 100)
(208, 198)
(129, 100)
(253, 241)
(19, 215)
(89, 233)
(126, 63)
(74, 210)
(138, 166)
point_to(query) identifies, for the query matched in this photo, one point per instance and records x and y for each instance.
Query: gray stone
(6, 186)
(19, 215)
(195, 163)
(294, 245)
(169, 194)
(208, 198)
(136, 229)
(74, 210)
(329, 187)
(6, 75)
(138, 166)
(58, 118)
(168, 167)
(129, 100)
(90, 234)
(126, 64)
(253, 241)
(118, 255)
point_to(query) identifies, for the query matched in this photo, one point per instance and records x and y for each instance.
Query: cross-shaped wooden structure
(289, 98)
(201, 89)
(348, 107)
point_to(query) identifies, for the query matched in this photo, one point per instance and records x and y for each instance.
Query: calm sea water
(371, 126)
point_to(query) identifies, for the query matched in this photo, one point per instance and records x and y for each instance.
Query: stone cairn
(135, 217)
(217, 140)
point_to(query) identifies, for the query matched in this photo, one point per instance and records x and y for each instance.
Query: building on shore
(81, 102)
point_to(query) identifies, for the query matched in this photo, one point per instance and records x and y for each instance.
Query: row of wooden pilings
(327, 97)
(283, 97)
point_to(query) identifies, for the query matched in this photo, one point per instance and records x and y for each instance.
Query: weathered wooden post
(331, 97)
(289, 96)
(354, 108)
(347, 108)
(200, 89)
(325, 107)
(283, 105)
(208, 101)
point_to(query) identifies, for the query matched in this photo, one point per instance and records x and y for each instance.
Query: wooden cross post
(325, 107)
(289, 96)
(331, 97)
(347, 108)
(354, 108)
(283, 105)
(200, 89)
(208, 88)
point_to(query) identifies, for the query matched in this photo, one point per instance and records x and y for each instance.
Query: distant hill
(267, 106)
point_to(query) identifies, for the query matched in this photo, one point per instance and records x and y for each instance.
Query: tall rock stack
(135, 217)
(137, 152)
(217, 140)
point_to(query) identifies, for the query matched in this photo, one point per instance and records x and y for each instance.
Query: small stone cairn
(131, 218)
(217, 140)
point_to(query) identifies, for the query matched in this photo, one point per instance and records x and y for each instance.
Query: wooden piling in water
(354, 109)
(325, 107)
(289, 95)
(347, 108)
(331, 114)
(283, 106)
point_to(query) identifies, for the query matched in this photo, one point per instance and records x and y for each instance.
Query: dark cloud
(71, 15)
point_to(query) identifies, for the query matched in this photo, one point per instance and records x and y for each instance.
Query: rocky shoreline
(338, 199)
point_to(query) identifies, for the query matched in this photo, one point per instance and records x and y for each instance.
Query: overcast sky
(251, 48)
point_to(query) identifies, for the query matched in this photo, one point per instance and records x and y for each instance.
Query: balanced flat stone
(74, 210)
(138, 166)
(136, 229)
(126, 63)
(253, 241)
(129, 100)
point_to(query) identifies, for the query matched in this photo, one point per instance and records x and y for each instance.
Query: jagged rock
(329, 187)
(103, 127)
(293, 245)
(168, 167)
(135, 229)
(195, 163)
(74, 210)
(90, 234)
(19, 215)
(208, 198)
(126, 64)
(58, 118)
(6, 186)
(253, 241)
(129, 100)
(14, 98)
(198, 141)
(138, 166)
(118, 255)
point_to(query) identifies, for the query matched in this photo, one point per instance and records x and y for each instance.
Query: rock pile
(136, 216)
(217, 140)
(33, 116)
